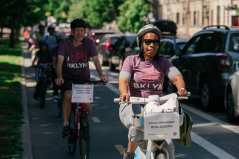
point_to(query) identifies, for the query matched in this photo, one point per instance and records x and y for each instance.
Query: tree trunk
(12, 43)
(1, 32)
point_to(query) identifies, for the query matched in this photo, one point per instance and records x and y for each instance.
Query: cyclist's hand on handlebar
(124, 97)
(59, 81)
(182, 92)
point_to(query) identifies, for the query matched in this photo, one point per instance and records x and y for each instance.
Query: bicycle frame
(80, 123)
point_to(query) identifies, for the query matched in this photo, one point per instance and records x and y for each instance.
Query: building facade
(192, 15)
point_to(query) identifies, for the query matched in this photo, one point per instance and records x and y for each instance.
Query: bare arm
(99, 69)
(123, 88)
(178, 81)
(60, 60)
(97, 65)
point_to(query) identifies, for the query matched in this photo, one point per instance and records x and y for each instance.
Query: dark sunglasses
(149, 42)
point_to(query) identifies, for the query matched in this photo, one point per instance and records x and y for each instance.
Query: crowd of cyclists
(69, 57)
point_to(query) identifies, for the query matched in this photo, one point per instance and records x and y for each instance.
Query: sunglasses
(149, 42)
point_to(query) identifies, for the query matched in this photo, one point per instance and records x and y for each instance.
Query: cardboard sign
(158, 126)
(82, 93)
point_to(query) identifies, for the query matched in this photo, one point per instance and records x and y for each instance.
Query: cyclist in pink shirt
(143, 75)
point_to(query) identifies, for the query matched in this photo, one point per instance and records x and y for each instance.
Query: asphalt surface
(213, 137)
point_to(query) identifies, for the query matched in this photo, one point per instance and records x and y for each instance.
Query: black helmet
(149, 28)
(78, 23)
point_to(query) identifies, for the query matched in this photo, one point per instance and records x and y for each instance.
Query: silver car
(231, 100)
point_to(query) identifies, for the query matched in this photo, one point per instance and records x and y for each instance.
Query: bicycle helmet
(78, 23)
(149, 28)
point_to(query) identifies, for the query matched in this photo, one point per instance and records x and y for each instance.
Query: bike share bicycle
(43, 77)
(160, 123)
(82, 93)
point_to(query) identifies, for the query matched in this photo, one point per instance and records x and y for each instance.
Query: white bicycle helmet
(149, 28)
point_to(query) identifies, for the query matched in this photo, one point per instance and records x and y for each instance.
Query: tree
(132, 15)
(96, 12)
(16, 13)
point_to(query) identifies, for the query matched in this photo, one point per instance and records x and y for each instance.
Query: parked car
(231, 99)
(98, 34)
(171, 46)
(108, 48)
(167, 27)
(128, 46)
(114, 48)
(207, 61)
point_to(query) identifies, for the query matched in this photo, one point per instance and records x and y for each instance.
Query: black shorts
(67, 86)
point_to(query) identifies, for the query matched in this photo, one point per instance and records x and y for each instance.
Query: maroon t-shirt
(76, 63)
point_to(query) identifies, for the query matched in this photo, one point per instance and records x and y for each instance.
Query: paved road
(213, 137)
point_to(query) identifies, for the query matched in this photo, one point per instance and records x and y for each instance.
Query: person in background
(52, 42)
(42, 57)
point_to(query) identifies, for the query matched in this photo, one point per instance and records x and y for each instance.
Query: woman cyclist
(143, 75)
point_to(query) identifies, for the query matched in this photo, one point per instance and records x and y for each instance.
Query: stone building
(192, 15)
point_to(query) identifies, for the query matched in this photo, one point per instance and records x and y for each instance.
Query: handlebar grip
(184, 97)
(116, 100)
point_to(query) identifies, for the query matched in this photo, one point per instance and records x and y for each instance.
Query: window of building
(194, 18)
(178, 18)
(218, 14)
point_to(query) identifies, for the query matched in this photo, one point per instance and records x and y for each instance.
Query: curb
(26, 134)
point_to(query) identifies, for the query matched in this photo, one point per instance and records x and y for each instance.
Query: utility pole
(155, 9)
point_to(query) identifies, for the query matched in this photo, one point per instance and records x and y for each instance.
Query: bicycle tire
(161, 154)
(71, 144)
(72, 137)
(166, 152)
(84, 140)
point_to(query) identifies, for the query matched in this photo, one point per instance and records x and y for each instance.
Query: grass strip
(10, 101)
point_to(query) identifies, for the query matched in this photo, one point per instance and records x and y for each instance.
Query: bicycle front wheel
(162, 154)
(166, 152)
(72, 136)
(84, 140)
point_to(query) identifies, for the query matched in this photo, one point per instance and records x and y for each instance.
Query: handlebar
(94, 82)
(142, 100)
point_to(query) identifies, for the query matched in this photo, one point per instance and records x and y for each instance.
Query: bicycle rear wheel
(72, 136)
(84, 140)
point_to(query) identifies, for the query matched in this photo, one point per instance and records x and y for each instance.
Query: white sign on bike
(82, 93)
(158, 126)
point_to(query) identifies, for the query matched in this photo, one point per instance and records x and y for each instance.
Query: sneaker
(65, 131)
(128, 155)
